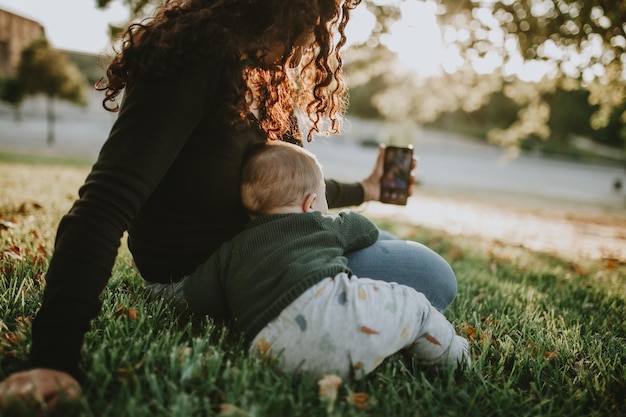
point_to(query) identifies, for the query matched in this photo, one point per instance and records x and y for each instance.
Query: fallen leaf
(454, 254)
(120, 310)
(123, 373)
(27, 206)
(550, 355)
(12, 338)
(5, 224)
(488, 320)
(360, 400)
(611, 263)
(133, 313)
(470, 331)
(13, 252)
(328, 387)
(230, 410)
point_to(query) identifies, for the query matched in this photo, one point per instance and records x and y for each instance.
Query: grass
(548, 336)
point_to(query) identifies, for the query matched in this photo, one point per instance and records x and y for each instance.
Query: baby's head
(279, 177)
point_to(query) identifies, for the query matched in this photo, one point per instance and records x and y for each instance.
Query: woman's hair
(278, 174)
(306, 81)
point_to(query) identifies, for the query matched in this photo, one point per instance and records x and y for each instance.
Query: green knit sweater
(257, 274)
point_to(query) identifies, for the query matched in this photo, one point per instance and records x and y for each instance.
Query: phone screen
(394, 186)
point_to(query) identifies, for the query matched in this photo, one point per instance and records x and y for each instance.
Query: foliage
(43, 70)
(568, 125)
(93, 67)
(575, 44)
(12, 92)
(547, 335)
(137, 8)
(582, 44)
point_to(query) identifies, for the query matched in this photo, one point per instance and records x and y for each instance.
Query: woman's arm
(343, 194)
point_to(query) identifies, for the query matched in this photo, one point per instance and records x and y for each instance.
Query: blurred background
(520, 103)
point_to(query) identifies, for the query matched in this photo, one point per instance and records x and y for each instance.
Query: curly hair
(306, 81)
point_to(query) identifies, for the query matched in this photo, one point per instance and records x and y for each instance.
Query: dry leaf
(5, 224)
(120, 310)
(611, 263)
(329, 386)
(550, 355)
(13, 252)
(230, 410)
(133, 313)
(123, 373)
(454, 254)
(12, 338)
(470, 331)
(360, 400)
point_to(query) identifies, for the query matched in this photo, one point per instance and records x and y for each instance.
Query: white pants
(349, 325)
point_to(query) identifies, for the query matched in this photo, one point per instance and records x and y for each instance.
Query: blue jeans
(408, 263)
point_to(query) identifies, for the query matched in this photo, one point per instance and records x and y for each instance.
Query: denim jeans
(389, 259)
(408, 263)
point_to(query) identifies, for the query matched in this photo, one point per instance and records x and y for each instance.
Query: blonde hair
(278, 174)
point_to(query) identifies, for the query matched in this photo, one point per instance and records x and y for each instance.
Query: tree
(43, 70)
(11, 92)
(565, 45)
(494, 45)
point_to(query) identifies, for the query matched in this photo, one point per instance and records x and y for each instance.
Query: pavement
(466, 187)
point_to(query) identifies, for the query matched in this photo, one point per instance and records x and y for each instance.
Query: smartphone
(394, 186)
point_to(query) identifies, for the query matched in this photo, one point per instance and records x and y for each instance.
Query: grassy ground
(548, 336)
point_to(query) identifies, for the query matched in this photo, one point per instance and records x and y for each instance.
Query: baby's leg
(349, 326)
(406, 320)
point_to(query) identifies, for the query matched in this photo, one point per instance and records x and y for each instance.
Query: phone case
(394, 186)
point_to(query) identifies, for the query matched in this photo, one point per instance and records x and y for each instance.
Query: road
(464, 166)
(465, 186)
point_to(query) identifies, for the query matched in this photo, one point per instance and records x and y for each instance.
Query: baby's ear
(307, 203)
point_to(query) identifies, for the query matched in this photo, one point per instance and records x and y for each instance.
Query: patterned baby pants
(349, 325)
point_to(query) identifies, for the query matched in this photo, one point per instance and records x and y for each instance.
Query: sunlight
(428, 49)
(360, 27)
(416, 38)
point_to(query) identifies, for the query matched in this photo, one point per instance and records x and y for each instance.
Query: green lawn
(548, 336)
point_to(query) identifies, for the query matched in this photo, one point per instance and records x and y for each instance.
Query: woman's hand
(371, 184)
(42, 388)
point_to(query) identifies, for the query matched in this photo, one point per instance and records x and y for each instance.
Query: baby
(285, 283)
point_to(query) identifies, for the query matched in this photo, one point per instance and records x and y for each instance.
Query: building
(16, 33)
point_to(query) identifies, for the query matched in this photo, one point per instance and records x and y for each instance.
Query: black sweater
(169, 175)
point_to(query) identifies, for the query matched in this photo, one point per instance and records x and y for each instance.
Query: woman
(203, 80)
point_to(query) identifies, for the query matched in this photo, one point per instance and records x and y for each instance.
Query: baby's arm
(355, 230)
(203, 290)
